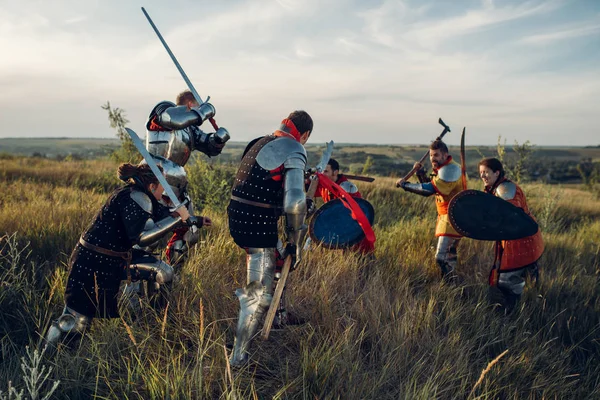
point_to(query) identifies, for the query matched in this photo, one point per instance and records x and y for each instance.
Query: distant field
(550, 164)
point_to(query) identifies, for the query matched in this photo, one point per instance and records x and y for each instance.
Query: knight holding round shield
(514, 259)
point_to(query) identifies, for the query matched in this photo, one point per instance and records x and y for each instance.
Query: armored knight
(269, 184)
(514, 259)
(445, 183)
(172, 134)
(104, 257)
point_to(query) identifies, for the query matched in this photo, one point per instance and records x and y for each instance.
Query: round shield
(483, 216)
(333, 226)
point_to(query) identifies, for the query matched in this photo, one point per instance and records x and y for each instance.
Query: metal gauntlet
(153, 231)
(211, 144)
(205, 111)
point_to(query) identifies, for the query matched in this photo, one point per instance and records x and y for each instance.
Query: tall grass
(387, 328)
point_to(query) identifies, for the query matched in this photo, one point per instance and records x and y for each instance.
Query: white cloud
(388, 70)
(76, 19)
(545, 38)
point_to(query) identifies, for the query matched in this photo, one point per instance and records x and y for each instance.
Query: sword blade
(181, 71)
(325, 157)
(152, 164)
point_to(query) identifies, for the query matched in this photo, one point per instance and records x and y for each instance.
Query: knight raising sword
(172, 134)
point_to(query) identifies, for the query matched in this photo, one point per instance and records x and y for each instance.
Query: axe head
(446, 127)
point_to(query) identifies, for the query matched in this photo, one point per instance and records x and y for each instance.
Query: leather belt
(254, 203)
(125, 255)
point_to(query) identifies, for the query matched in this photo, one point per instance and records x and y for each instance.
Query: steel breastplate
(181, 145)
(157, 143)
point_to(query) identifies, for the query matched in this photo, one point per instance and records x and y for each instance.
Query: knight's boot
(70, 323)
(177, 255)
(254, 302)
(512, 285)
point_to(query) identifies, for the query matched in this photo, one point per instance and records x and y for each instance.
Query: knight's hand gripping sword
(414, 170)
(222, 134)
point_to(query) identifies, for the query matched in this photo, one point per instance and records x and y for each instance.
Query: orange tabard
(521, 252)
(444, 192)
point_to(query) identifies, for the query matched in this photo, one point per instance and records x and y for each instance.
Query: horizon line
(310, 144)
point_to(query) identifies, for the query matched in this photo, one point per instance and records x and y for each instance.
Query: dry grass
(382, 329)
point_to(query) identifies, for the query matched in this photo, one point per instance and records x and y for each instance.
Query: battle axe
(414, 170)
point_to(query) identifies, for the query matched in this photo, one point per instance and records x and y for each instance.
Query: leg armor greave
(512, 282)
(254, 299)
(178, 253)
(70, 322)
(446, 255)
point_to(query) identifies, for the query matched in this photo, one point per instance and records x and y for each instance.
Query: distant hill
(551, 164)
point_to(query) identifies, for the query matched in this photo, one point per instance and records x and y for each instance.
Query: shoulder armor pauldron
(349, 187)
(282, 150)
(159, 109)
(142, 200)
(506, 190)
(449, 172)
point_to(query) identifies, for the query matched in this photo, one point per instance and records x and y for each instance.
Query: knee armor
(70, 322)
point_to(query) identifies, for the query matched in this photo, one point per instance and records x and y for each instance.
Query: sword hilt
(214, 123)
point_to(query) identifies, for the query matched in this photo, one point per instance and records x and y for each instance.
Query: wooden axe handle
(413, 171)
(276, 298)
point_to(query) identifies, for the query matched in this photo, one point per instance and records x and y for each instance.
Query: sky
(366, 71)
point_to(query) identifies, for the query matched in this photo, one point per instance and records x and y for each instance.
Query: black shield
(333, 226)
(483, 216)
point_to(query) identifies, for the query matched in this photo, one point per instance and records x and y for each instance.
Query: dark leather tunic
(94, 279)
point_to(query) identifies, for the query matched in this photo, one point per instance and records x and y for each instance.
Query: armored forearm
(180, 117)
(153, 231)
(294, 205)
(423, 189)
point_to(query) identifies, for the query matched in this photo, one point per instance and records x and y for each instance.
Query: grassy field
(383, 329)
